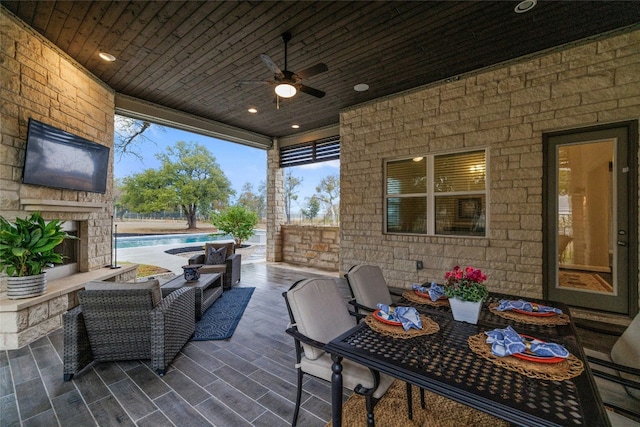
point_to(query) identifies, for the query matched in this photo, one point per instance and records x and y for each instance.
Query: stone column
(275, 203)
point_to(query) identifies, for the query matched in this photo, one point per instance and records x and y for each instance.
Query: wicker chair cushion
(215, 256)
(152, 285)
(368, 285)
(231, 247)
(320, 312)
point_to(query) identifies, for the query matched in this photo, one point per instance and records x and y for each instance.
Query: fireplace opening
(69, 249)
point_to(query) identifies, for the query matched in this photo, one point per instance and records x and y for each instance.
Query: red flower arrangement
(466, 284)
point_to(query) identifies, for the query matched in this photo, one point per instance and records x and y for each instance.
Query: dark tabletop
(443, 363)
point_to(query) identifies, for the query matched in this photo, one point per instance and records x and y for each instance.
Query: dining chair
(318, 314)
(618, 375)
(369, 288)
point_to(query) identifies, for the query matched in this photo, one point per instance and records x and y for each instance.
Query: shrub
(237, 221)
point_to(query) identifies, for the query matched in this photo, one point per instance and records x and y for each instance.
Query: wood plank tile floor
(248, 380)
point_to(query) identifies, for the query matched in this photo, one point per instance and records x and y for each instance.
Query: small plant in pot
(26, 249)
(466, 292)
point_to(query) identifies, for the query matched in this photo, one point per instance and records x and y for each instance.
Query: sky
(239, 163)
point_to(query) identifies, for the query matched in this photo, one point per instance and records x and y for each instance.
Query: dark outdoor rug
(221, 319)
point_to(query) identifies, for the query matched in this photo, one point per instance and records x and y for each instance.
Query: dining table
(453, 359)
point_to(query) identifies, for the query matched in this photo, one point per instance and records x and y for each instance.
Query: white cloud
(335, 164)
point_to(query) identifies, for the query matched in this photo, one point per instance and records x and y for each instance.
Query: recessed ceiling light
(361, 87)
(252, 110)
(525, 6)
(107, 56)
(295, 126)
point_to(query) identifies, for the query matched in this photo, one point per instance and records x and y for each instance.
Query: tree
(238, 221)
(312, 209)
(128, 133)
(328, 192)
(290, 185)
(118, 207)
(189, 177)
(251, 201)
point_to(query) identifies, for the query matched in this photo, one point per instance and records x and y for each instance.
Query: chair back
(626, 351)
(368, 286)
(319, 311)
(118, 318)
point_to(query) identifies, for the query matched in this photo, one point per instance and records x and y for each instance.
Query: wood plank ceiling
(190, 55)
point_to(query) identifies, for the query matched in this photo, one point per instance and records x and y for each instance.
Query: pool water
(174, 239)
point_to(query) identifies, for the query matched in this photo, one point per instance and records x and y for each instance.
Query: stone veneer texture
(505, 109)
(39, 81)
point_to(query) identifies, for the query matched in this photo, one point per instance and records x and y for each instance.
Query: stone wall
(505, 109)
(275, 205)
(39, 81)
(311, 246)
(24, 321)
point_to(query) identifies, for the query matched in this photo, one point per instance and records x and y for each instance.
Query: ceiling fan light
(285, 90)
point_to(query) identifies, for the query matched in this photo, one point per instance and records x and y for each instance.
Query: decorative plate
(531, 357)
(378, 316)
(426, 295)
(534, 313)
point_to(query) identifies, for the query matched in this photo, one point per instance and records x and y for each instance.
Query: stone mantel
(43, 205)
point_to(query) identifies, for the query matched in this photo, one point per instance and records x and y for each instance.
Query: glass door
(587, 225)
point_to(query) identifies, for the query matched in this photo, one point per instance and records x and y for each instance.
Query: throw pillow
(216, 256)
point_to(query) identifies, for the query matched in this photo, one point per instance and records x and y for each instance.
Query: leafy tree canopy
(252, 201)
(188, 177)
(312, 209)
(328, 193)
(237, 221)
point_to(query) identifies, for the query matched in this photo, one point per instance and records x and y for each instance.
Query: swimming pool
(174, 239)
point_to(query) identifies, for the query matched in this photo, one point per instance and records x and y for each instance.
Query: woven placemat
(556, 319)
(391, 411)
(428, 327)
(569, 368)
(411, 296)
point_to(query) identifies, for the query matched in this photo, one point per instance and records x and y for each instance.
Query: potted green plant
(466, 291)
(26, 248)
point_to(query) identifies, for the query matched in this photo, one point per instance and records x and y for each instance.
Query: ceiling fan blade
(272, 65)
(311, 91)
(313, 70)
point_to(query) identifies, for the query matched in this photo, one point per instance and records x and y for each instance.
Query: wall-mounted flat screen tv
(59, 159)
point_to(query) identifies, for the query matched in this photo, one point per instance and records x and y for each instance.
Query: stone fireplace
(41, 82)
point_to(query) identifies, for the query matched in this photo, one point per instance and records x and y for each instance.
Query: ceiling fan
(287, 82)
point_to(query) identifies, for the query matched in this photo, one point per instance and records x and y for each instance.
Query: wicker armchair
(230, 267)
(127, 321)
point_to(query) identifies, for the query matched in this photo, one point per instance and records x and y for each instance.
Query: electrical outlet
(419, 265)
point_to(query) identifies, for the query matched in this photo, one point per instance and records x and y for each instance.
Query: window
(437, 194)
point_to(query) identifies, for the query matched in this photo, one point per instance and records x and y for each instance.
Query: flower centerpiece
(466, 291)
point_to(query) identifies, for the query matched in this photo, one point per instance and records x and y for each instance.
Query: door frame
(549, 230)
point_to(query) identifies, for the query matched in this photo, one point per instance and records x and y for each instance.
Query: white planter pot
(465, 311)
(27, 286)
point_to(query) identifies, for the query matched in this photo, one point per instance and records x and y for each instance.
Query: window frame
(431, 194)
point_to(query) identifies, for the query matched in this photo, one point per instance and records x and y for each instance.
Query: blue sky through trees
(239, 163)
